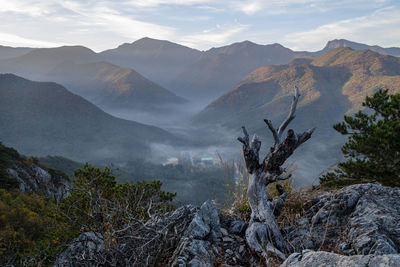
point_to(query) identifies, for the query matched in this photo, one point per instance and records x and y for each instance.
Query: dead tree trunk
(263, 234)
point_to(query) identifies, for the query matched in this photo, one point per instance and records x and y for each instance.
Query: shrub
(34, 230)
(7, 154)
(30, 229)
(97, 201)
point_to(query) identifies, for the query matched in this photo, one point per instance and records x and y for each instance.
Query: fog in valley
(128, 109)
(210, 148)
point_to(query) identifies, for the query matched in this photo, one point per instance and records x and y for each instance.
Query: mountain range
(110, 87)
(42, 118)
(190, 73)
(196, 74)
(391, 51)
(158, 60)
(85, 73)
(331, 85)
(10, 52)
(255, 81)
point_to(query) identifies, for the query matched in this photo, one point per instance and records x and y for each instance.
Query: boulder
(237, 227)
(83, 250)
(212, 240)
(310, 258)
(358, 219)
(195, 247)
(205, 222)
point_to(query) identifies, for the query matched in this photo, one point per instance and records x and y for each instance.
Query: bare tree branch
(301, 138)
(273, 131)
(291, 115)
(245, 139)
(250, 150)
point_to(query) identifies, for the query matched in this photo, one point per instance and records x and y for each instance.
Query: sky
(201, 24)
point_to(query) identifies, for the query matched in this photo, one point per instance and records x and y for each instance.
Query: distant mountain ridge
(37, 63)
(209, 74)
(221, 68)
(158, 60)
(41, 118)
(110, 86)
(85, 73)
(10, 52)
(392, 51)
(331, 85)
(193, 74)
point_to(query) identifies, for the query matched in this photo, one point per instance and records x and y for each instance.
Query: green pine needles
(372, 151)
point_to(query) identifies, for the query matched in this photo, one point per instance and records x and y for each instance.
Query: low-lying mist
(198, 170)
(164, 116)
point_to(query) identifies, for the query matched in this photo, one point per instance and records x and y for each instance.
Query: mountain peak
(67, 49)
(246, 43)
(394, 51)
(332, 44)
(66, 52)
(147, 43)
(146, 40)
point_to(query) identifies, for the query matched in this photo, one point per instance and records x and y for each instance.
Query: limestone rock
(33, 178)
(84, 249)
(322, 258)
(358, 219)
(195, 248)
(237, 227)
(206, 222)
(208, 242)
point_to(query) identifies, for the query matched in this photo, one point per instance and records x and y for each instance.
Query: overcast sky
(201, 24)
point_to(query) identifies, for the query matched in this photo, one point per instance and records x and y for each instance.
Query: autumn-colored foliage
(34, 230)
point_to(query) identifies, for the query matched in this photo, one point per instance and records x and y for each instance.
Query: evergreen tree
(372, 150)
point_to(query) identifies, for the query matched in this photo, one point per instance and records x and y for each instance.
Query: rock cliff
(33, 178)
(29, 175)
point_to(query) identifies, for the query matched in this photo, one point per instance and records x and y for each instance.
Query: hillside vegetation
(41, 119)
(331, 85)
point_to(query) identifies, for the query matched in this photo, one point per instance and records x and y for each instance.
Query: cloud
(28, 7)
(382, 26)
(276, 7)
(155, 3)
(216, 36)
(15, 40)
(105, 24)
(99, 25)
(104, 18)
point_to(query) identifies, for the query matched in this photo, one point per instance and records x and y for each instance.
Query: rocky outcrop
(85, 248)
(142, 244)
(360, 223)
(195, 248)
(356, 220)
(186, 237)
(33, 178)
(322, 258)
(212, 240)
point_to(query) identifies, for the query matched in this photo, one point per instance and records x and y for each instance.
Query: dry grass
(293, 208)
(296, 204)
(236, 185)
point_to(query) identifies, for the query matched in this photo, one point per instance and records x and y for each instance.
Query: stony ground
(359, 223)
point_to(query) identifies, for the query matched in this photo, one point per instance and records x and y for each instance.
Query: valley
(152, 103)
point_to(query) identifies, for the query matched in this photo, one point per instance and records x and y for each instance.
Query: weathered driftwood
(263, 235)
